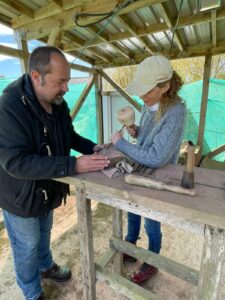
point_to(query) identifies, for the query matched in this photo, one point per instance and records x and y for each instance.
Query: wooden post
(204, 101)
(99, 112)
(117, 224)
(212, 263)
(75, 110)
(86, 242)
(22, 45)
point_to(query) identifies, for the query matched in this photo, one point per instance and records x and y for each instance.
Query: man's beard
(58, 100)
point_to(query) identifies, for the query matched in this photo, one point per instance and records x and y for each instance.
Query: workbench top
(207, 207)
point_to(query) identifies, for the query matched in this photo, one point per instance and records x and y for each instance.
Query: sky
(10, 67)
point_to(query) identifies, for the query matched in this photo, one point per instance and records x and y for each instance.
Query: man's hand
(88, 163)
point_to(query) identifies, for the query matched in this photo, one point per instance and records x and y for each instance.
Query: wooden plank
(204, 101)
(55, 36)
(167, 18)
(57, 2)
(86, 242)
(117, 219)
(120, 90)
(213, 28)
(22, 45)
(19, 7)
(11, 51)
(124, 286)
(163, 263)
(99, 110)
(106, 257)
(83, 68)
(212, 264)
(207, 207)
(82, 98)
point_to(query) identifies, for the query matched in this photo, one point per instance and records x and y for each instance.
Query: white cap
(149, 73)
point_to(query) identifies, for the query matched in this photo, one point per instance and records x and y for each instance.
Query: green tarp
(85, 122)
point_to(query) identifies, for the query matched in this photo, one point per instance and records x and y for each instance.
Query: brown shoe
(57, 273)
(128, 258)
(144, 273)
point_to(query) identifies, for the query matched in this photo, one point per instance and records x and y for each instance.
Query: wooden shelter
(113, 33)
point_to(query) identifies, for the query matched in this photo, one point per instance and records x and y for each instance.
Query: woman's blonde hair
(170, 97)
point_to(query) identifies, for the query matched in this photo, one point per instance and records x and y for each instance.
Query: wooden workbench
(203, 214)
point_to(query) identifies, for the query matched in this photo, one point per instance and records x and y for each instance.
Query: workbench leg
(117, 223)
(86, 243)
(212, 263)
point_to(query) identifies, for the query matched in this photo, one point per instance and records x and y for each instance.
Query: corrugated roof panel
(190, 35)
(204, 32)
(220, 30)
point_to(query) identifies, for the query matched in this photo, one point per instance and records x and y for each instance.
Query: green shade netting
(86, 125)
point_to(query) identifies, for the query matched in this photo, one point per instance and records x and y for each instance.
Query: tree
(190, 69)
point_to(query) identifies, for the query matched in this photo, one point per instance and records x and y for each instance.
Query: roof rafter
(169, 23)
(213, 27)
(127, 24)
(19, 7)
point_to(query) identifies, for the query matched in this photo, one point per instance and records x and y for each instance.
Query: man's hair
(40, 58)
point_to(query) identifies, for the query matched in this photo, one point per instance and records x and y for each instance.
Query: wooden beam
(169, 23)
(82, 98)
(99, 108)
(120, 90)
(55, 36)
(83, 68)
(161, 262)
(123, 285)
(204, 101)
(22, 45)
(11, 51)
(84, 216)
(43, 24)
(57, 2)
(19, 7)
(212, 263)
(213, 28)
(117, 229)
(5, 20)
(104, 38)
(190, 51)
(127, 24)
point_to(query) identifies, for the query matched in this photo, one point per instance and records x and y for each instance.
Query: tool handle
(190, 159)
(158, 185)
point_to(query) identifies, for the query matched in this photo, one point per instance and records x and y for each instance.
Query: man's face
(52, 86)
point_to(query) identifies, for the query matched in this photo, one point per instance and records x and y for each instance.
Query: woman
(159, 136)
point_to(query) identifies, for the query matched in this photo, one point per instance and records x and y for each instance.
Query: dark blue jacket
(35, 147)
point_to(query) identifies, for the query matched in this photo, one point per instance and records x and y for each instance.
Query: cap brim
(139, 89)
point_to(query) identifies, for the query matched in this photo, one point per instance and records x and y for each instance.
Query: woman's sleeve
(164, 145)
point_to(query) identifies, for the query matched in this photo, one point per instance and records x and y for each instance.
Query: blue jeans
(152, 228)
(30, 242)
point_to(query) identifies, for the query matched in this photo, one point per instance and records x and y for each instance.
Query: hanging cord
(108, 16)
(175, 27)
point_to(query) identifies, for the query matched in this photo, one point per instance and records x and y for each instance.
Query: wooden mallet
(188, 175)
(126, 116)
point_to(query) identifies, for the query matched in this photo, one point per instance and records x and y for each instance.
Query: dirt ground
(178, 245)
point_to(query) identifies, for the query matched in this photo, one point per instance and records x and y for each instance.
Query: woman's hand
(99, 147)
(132, 130)
(116, 137)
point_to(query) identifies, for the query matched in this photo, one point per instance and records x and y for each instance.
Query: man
(36, 136)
